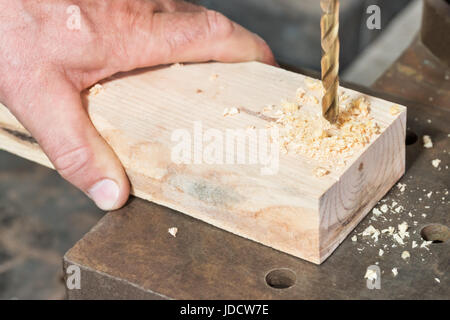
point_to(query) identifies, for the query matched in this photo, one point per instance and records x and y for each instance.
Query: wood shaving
(436, 163)
(380, 252)
(425, 244)
(371, 275)
(376, 212)
(372, 232)
(305, 132)
(414, 244)
(300, 96)
(313, 84)
(395, 271)
(95, 90)
(268, 108)
(401, 187)
(395, 110)
(402, 230)
(406, 255)
(173, 231)
(176, 65)
(384, 208)
(399, 209)
(437, 280)
(354, 238)
(427, 143)
(389, 230)
(320, 172)
(230, 111)
(398, 239)
(289, 107)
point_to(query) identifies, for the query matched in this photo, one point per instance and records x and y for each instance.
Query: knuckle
(73, 162)
(219, 25)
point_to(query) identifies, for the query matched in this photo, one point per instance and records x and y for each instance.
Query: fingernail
(105, 194)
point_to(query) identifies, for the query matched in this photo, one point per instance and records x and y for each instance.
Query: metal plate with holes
(130, 253)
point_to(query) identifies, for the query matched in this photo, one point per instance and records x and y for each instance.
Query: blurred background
(292, 29)
(42, 216)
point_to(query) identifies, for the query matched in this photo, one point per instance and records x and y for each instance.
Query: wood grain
(292, 211)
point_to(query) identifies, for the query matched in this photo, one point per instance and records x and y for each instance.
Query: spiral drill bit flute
(329, 25)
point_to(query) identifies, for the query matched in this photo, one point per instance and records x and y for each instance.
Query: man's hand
(46, 61)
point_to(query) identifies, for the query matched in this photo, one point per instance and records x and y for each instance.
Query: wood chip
(372, 232)
(320, 172)
(173, 231)
(425, 244)
(402, 230)
(95, 90)
(230, 111)
(401, 187)
(176, 65)
(395, 110)
(436, 163)
(376, 212)
(389, 230)
(371, 275)
(398, 239)
(289, 107)
(427, 143)
(406, 255)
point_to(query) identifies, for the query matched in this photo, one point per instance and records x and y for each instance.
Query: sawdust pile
(304, 131)
(388, 233)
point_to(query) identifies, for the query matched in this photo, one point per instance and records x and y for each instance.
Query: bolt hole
(281, 278)
(436, 232)
(411, 138)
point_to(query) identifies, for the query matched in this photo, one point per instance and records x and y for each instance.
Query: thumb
(60, 124)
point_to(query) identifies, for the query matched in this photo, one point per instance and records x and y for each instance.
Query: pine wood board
(292, 211)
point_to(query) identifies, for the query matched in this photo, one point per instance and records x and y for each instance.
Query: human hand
(45, 64)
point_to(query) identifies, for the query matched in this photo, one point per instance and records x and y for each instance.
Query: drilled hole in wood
(438, 233)
(281, 278)
(411, 137)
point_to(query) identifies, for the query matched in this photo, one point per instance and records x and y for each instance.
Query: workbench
(130, 254)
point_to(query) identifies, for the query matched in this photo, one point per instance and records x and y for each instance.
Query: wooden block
(292, 210)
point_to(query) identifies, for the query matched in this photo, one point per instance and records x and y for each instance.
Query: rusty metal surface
(130, 253)
(417, 76)
(435, 28)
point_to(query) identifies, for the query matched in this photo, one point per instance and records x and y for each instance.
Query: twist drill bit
(329, 25)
